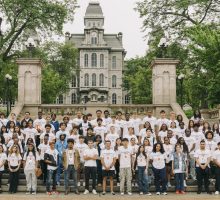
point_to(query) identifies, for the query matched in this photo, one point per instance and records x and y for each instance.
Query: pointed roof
(94, 10)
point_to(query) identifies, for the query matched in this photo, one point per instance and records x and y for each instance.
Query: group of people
(122, 148)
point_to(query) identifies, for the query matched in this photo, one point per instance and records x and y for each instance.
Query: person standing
(51, 157)
(71, 162)
(14, 163)
(108, 159)
(158, 158)
(3, 159)
(216, 159)
(125, 156)
(31, 159)
(203, 157)
(90, 157)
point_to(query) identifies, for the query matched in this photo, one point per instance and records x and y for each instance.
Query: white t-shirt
(117, 128)
(60, 132)
(129, 137)
(3, 122)
(51, 136)
(100, 130)
(30, 133)
(43, 148)
(126, 125)
(77, 121)
(141, 161)
(81, 148)
(158, 160)
(148, 150)
(162, 135)
(136, 123)
(55, 154)
(3, 158)
(198, 136)
(70, 156)
(161, 121)
(169, 149)
(14, 159)
(40, 123)
(190, 141)
(211, 145)
(125, 156)
(112, 137)
(107, 121)
(108, 156)
(75, 137)
(84, 128)
(91, 153)
(30, 163)
(202, 155)
(216, 155)
(152, 120)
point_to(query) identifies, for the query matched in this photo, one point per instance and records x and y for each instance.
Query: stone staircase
(191, 185)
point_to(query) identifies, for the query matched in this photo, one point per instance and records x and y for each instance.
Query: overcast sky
(119, 17)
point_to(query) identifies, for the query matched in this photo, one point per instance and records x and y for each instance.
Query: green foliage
(189, 113)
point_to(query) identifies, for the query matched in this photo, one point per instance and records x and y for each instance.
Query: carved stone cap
(28, 61)
(164, 61)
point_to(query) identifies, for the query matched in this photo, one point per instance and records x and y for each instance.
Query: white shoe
(168, 184)
(84, 184)
(148, 194)
(78, 184)
(129, 193)
(158, 193)
(86, 192)
(34, 193)
(184, 183)
(122, 193)
(28, 193)
(164, 193)
(216, 192)
(118, 184)
(141, 193)
(94, 191)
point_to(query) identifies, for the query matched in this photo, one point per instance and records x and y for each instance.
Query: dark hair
(207, 132)
(162, 111)
(53, 114)
(81, 137)
(27, 113)
(185, 147)
(181, 118)
(215, 130)
(106, 111)
(197, 116)
(33, 151)
(90, 128)
(125, 140)
(29, 139)
(209, 127)
(161, 147)
(48, 125)
(162, 126)
(202, 141)
(89, 115)
(19, 132)
(70, 140)
(139, 152)
(2, 139)
(90, 141)
(99, 119)
(85, 117)
(149, 124)
(98, 111)
(1, 132)
(62, 123)
(118, 112)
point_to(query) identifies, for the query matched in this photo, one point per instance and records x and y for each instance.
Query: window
(94, 97)
(102, 98)
(114, 81)
(101, 60)
(73, 83)
(94, 40)
(101, 80)
(73, 98)
(114, 62)
(86, 80)
(127, 99)
(114, 98)
(94, 60)
(86, 60)
(93, 79)
(60, 99)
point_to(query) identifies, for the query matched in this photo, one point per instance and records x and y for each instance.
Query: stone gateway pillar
(164, 81)
(29, 81)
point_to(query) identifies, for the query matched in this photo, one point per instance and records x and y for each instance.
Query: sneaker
(164, 193)
(29, 192)
(199, 192)
(122, 193)
(177, 192)
(84, 184)
(58, 183)
(34, 193)
(168, 184)
(103, 193)
(113, 193)
(141, 193)
(78, 184)
(148, 194)
(158, 193)
(182, 192)
(55, 192)
(129, 193)
(86, 192)
(209, 192)
(94, 191)
(118, 184)
(216, 192)
(184, 183)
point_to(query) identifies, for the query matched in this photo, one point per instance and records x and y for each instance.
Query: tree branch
(206, 12)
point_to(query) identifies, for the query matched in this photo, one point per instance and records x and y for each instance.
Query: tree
(174, 15)
(20, 16)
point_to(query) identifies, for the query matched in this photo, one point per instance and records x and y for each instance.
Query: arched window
(86, 80)
(127, 99)
(94, 60)
(101, 80)
(93, 79)
(101, 60)
(114, 81)
(114, 98)
(73, 83)
(113, 62)
(73, 98)
(60, 99)
(86, 60)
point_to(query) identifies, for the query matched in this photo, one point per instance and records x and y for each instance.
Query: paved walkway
(170, 196)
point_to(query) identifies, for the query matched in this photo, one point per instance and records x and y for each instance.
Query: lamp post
(8, 78)
(181, 77)
(30, 45)
(163, 48)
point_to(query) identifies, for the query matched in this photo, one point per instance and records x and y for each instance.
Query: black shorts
(110, 173)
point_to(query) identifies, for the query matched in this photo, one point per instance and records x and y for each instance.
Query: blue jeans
(51, 174)
(179, 179)
(59, 168)
(70, 170)
(160, 178)
(142, 180)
